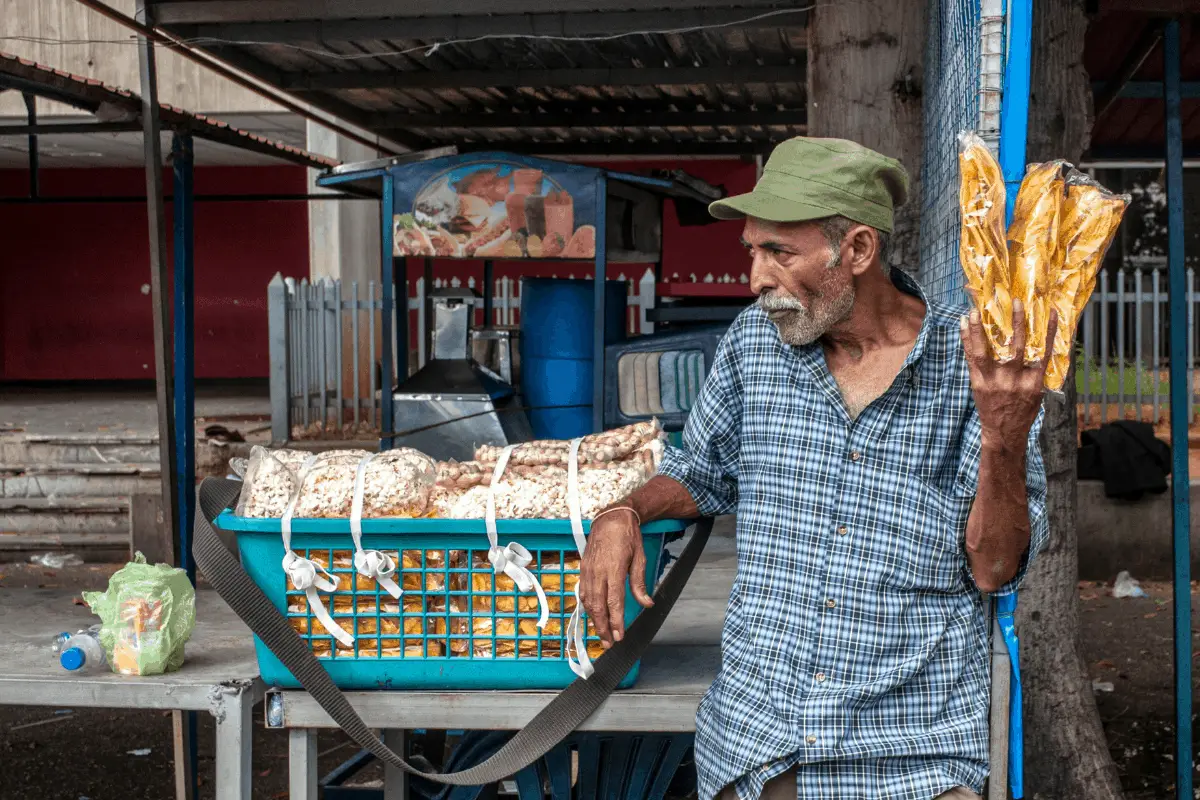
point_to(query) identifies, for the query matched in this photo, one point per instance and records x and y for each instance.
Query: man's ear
(864, 248)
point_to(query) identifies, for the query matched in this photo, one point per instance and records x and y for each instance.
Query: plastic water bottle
(60, 639)
(82, 651)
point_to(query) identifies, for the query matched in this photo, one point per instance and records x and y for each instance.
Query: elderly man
(884, 469)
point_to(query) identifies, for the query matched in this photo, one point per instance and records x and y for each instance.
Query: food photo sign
(495, 205)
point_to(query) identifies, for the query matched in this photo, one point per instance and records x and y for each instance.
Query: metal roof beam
(270, 74)
(208, 11)
(484, 79)
(1167, 8)
(625, 148)
(389, 121)
(1130, 65)
(460, 27)
(1150, 90)
(70, 127)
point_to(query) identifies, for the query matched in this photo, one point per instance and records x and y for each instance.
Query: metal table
(220, 675)
(676, 671)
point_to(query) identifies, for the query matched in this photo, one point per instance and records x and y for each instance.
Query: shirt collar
(905, 283)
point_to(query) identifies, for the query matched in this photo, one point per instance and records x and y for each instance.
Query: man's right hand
(614, 554)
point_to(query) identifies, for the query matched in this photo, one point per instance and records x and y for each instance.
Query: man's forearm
(998, 527)
(661, 498)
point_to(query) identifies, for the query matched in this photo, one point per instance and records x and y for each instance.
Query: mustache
(771, 301)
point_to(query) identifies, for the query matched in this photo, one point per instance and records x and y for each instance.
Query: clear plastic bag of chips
(983, 248)
(1088, 223)
(1033, 257)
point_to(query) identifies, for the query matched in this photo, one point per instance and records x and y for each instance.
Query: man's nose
(761, 277)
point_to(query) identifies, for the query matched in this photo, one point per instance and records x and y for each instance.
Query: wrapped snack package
(611, 445)
(541, 492)
(983, 248)
(396, 483)
(148, 612)
(1089, 221)
(1032, 250)
(269, 482)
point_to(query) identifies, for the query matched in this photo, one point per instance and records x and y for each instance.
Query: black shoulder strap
(561, 716)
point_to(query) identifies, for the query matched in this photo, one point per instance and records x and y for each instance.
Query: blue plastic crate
(457, 625)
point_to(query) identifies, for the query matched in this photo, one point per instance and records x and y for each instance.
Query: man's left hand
(1009, 395)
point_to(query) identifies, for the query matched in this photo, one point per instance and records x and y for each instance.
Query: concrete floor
(100, 409)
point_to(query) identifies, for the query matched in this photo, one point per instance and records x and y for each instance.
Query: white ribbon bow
(512, 560)
(306, 575)
(577, 656)
(372, 564)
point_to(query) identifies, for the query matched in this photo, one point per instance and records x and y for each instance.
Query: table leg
(233, 714)
(302, 764)
(395, 781)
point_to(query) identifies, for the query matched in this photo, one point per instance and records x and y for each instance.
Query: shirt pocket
(926, 527)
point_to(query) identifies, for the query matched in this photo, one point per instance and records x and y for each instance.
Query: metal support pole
(388, 422)
(1014, 112)
(1181, 403)
(185, 749)
(488, 279)
(185, 379)
(185, 388)
(427, 300)
(598, 287)
(34, 159)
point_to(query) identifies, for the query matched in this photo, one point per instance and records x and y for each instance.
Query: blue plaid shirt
(855, 645)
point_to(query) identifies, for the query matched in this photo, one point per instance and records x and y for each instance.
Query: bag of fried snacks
(1033, 257)
(1087, 225)
(983, 248)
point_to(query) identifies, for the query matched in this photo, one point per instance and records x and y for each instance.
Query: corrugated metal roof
(113, 103)
(1135, 127)
(721, 79)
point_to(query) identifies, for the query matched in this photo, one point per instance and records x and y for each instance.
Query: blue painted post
(185, 383)
(1014, 125)
(1014, 110)
(1180, 405)
(387, 424)
(598, 302)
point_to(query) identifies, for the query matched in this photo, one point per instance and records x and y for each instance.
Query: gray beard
(799, 326)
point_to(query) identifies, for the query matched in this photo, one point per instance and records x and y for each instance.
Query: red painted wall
(74, 278)
(71, 276)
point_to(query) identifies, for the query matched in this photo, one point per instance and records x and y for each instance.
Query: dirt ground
(50, 754)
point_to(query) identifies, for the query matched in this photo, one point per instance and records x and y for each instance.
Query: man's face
(798, 278)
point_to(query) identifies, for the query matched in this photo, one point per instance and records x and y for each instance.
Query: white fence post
(645, 300)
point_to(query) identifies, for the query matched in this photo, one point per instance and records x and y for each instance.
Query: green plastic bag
(148, 612)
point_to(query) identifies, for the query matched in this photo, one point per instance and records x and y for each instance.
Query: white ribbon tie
(577, 656)
(372, 564)
(512, 560)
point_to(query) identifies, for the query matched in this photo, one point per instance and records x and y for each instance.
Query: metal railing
(1121, 362)
(325, 345)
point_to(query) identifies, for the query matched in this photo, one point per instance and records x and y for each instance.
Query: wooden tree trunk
(864, 83)
(1066, 755)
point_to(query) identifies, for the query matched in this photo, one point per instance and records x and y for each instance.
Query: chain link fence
(955, 86)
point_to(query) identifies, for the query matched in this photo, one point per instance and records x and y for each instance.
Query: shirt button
(811, 739)
(820, 676)
(855, 456)
(831, 603)
(842, 530)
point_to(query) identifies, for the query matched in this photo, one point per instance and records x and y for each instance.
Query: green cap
(807, 178)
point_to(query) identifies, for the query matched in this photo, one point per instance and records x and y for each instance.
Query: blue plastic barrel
(557, 341)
